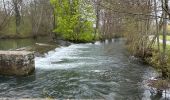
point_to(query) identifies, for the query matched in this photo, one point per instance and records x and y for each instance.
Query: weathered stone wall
(17, 63)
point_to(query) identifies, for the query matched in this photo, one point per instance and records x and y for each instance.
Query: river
(83, 71)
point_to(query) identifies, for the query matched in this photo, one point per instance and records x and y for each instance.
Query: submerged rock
(63, 43)
(135, 59)
(17, 63)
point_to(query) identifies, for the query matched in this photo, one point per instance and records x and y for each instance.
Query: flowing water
(83, 71)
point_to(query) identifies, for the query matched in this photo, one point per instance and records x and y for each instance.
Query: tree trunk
(157, 26)
(97, 19)
(164, 67)
(17, 15)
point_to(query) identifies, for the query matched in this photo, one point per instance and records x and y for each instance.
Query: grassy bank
(167, 37)
(154, 60)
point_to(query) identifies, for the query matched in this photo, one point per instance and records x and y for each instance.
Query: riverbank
(151, 56)
(41, 48)
(20, 36)
(155, 59)
(40, 45)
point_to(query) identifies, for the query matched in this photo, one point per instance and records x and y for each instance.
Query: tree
(76, 18)
(25, 18)
(17, 14)
(163, 62)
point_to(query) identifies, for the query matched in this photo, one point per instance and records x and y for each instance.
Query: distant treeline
(74, 20)
(25, 18)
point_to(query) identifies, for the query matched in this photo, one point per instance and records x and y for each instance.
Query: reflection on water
(83, 71)
(7, 44)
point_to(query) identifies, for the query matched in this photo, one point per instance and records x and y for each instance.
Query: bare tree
(16, 4)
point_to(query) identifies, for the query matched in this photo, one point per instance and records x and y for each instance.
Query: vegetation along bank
(87, 21)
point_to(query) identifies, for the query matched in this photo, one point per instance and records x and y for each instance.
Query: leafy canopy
(74, 19)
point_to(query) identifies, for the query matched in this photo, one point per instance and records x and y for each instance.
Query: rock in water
(17, 63)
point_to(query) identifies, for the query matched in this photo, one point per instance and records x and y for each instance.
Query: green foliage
(74, 19)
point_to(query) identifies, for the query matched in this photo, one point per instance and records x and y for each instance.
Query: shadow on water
(18, 79)
(156, 97)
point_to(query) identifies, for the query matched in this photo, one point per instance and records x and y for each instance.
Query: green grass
(168, 28)
(155, 60)
(161, 48)
(25, 28)
(167, 37)
(167, 51)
